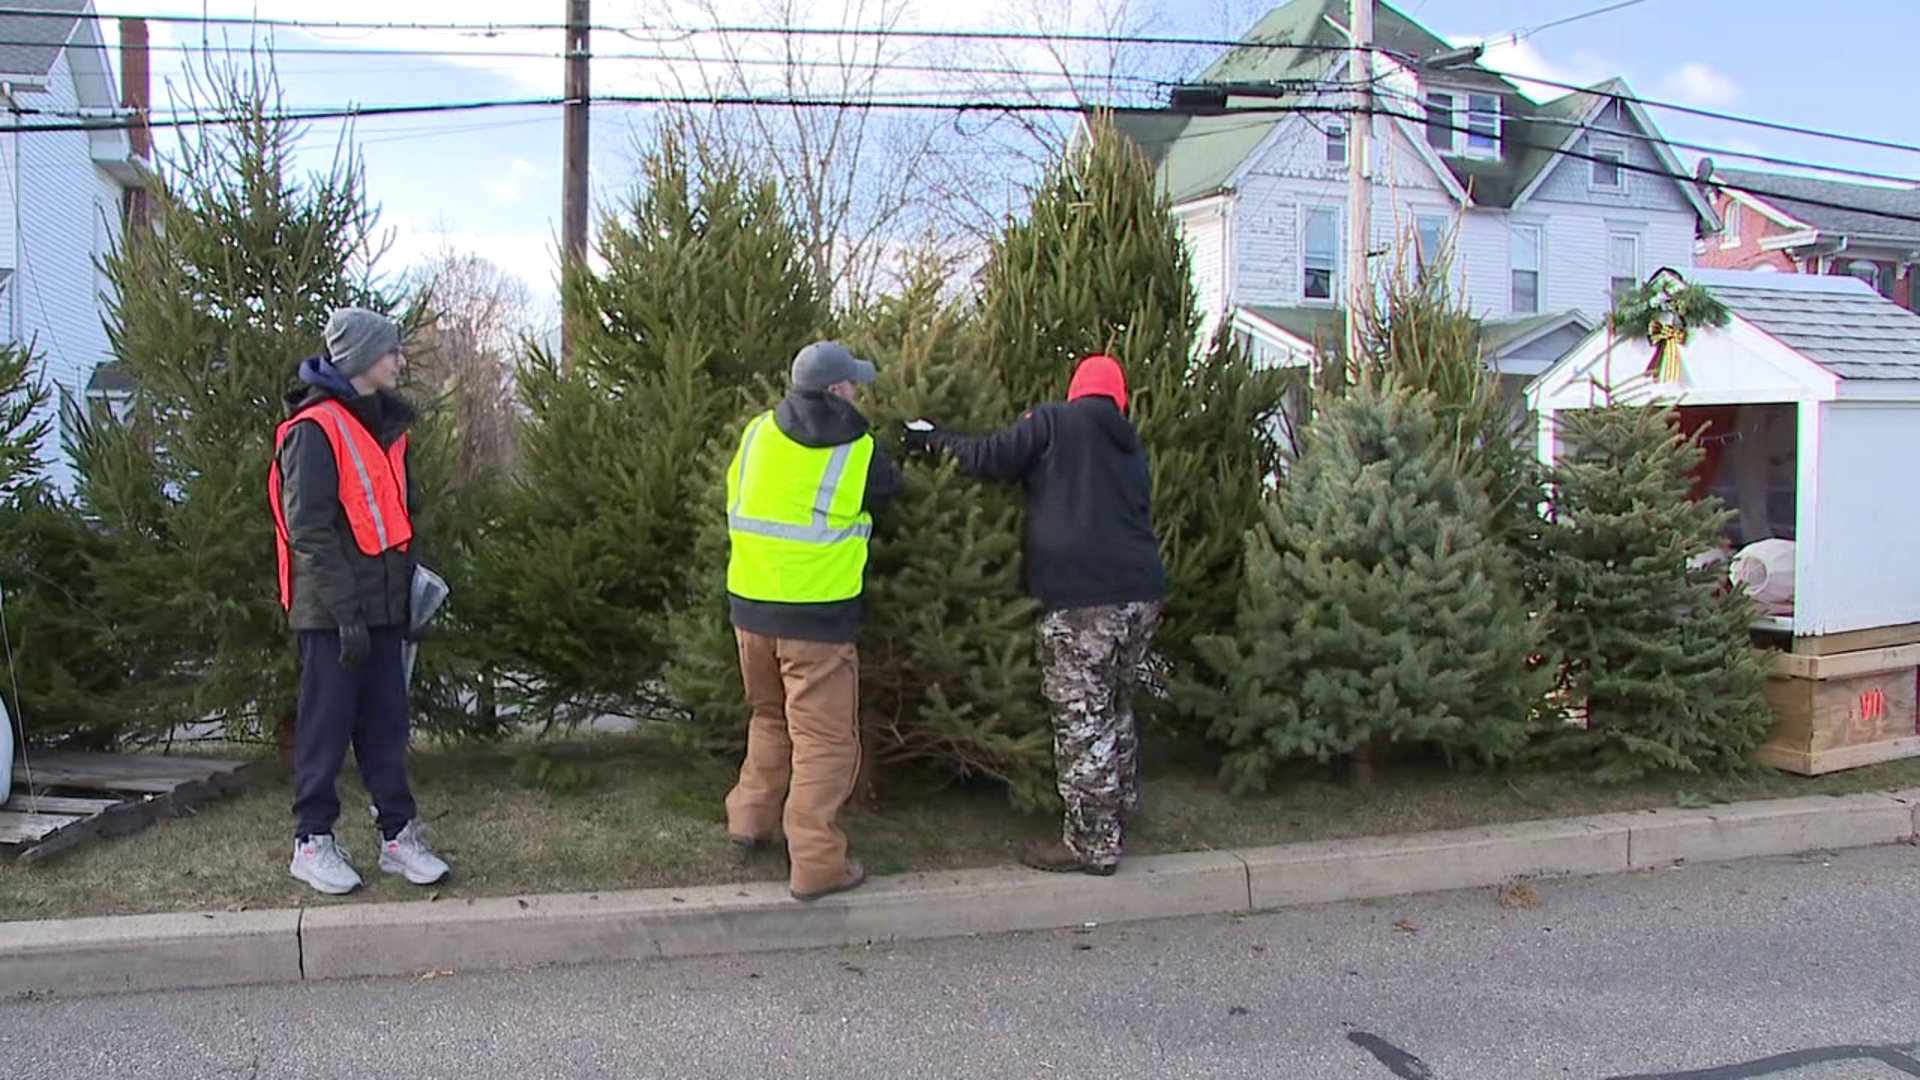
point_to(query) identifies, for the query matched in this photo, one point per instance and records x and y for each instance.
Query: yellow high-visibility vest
(794, 517)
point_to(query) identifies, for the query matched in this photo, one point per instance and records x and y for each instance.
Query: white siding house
(63, 196)
(1538, 235)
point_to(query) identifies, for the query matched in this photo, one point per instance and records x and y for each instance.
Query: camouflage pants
(1090, 658)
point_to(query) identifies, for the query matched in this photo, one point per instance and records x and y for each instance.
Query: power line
(662, 34)
(1744, 155)
(1732, 118)
(669, 32)
(753, 101)
(1522, 35)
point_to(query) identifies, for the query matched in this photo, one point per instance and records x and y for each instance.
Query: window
(1608, 168)
(1321, 252)
(1874, 274)
(1730, 233)
(1483, 125)
(1623, 263)
(1430, 234)
(1526, 270)
(1441, 123)
(1337, 144)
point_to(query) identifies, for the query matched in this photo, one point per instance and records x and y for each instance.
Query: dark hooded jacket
(1089, 538)
(333, 583)
(816, 419)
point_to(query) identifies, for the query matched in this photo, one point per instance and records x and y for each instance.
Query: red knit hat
(1099, 376)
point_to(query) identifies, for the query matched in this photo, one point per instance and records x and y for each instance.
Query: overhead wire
(897, 105)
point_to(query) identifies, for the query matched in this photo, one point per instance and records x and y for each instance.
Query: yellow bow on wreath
(1667, 339)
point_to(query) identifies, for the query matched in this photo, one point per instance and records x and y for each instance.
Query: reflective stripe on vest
(372, 486)
(794, 517)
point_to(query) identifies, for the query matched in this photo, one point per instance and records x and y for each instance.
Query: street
(1801, 969)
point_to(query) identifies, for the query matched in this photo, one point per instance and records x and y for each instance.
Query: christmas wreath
(1662, 311)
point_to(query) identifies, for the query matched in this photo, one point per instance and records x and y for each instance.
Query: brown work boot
(1055, 857)
(855, 876)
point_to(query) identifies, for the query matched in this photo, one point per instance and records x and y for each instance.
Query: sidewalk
(76, 957)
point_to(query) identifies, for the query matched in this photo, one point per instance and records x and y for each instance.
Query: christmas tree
(59, 655)
(1658, 650)
(210, 312)
(949, 681)
(705, 297)
(1417, 332)
(1377, 608)
(1100, 266)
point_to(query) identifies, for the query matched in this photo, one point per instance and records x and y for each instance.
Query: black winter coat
(1089, 538)
(333, 583)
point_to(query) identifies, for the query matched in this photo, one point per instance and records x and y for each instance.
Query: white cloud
(1698, 85)
(1523, 64)
(532, 257)
(510, 184)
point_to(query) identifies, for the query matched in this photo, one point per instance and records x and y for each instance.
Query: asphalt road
(1800, 969)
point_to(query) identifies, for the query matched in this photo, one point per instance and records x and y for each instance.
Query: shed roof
(31, 43)
(1323, 325)
(1839, 323)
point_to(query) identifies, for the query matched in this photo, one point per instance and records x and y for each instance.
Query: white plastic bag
(428, 596)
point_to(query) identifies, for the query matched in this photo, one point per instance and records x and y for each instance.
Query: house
(1795, 225)
(65, 193)
(1546, 209)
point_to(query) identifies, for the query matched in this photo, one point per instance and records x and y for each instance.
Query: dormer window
(1442, 123)
(1483, 125)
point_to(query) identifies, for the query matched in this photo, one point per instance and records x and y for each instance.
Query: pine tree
(1100, 266)
(705, 298)
(210, 312)
(1376, 608)
(949, 680)
(1660, 653)
(59, 657)
(1417, 333)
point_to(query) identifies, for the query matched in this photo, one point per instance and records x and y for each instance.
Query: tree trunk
(1361, 764)
(283, 736)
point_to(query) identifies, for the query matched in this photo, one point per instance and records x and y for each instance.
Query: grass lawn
(620, 812)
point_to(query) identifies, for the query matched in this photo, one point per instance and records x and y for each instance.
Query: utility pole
(1359, 174)
(575, 194)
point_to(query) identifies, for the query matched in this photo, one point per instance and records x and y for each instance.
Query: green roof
(1195, 155)
(1306, 22)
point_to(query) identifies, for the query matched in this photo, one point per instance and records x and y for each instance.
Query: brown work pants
(803, 751)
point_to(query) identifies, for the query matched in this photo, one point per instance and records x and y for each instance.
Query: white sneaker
(322, 863)
(409, 856)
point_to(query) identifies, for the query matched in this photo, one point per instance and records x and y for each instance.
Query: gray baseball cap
(824, 363)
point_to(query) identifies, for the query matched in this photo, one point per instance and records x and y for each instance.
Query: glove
(919, 438)
(354, 644)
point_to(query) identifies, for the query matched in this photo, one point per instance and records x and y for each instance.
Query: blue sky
(490, 182)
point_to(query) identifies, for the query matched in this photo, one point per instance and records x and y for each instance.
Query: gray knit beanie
(358, 338)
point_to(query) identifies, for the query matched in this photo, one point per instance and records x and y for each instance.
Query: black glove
(354, 644)
(920, 442)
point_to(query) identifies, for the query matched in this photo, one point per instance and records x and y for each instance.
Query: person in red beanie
(1093, 562)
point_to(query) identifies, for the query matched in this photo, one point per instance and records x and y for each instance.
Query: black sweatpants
(365, 708)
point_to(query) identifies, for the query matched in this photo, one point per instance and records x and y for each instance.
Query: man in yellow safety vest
(800, 495)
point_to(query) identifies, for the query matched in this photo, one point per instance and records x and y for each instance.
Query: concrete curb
(166, 952)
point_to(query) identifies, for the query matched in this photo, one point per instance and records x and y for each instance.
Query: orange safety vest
(373, 486)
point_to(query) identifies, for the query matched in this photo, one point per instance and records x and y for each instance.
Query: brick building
(1775, 221)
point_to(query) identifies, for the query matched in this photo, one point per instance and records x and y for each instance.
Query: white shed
(1810, 400)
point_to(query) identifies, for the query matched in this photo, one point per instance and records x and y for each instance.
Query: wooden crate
(1843, 710)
